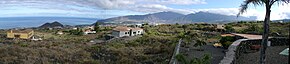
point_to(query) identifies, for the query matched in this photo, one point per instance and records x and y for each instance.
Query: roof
(122, 28)
(136, 28)
(22, 31)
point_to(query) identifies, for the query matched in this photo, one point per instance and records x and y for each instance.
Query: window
(138, 31)
(134, 32)
(125, 32)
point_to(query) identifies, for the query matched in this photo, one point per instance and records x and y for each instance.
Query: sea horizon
(28, 22)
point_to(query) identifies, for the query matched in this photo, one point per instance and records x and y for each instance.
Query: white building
(88, 31)
(122, 31)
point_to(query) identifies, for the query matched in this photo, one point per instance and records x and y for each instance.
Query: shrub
(227, 44)
(227, 38)
(227, 41)
(23, 44)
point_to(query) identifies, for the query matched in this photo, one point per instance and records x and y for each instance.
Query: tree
(97, 27)
(229, 28)
(184, 28)
(268, 4)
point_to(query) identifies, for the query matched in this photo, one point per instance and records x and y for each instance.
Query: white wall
(120, 33)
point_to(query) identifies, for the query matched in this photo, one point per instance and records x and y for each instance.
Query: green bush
(23, 44)
(229, 28)
(227, 44)
(227, 41)
(227, 38)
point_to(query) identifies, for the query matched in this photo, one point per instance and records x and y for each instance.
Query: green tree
(204, 60)
(184, 28)
(145, 24)
(97, 27)
(227, 41)
(76, 32)
(229, 28)
(268, 4)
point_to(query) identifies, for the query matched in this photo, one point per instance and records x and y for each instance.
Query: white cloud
(177, 2)
(144, 6)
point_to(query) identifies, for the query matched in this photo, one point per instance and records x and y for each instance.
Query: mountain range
(173, 17)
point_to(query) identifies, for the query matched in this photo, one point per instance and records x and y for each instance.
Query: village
(115, 44)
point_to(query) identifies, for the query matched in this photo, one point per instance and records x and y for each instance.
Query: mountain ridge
(173, 17)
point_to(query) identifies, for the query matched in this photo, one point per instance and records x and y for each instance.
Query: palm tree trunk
(265, 33)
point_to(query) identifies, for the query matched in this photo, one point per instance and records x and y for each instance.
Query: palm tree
(97, 27)
(268, 4)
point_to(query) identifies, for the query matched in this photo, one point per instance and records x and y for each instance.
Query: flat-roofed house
(220, 26)
(136, 31)
(122, 31)
(22, 34)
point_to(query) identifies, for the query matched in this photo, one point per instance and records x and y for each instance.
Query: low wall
(242, 45)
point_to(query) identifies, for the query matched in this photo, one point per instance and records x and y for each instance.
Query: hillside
(51, 25)
(173, 17)
(209, 18)
(160, 17)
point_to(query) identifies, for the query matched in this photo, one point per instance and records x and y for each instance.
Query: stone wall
(242, 46)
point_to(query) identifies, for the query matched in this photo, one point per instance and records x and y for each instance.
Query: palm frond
(280, 2)
(244, 6)
(285, 1)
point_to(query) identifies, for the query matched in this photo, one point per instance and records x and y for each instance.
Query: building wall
(10, 35)
(116, 33)
(137, 32)
(21, 35)
(127, 33)
(123, 33)
(120, 33)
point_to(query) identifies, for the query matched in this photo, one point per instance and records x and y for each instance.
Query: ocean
(26, 22)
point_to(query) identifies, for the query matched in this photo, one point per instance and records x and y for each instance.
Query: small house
(22, 34)
(59, 32)
(122, 31)
(88, 31)
(220, 26)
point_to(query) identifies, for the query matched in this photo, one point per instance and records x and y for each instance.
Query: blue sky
(113, 8)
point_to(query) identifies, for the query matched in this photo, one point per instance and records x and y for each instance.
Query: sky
(114, 8)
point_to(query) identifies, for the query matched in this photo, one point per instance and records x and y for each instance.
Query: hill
(209, 18)
(173, 17)
(160, 17)
(52, 25)
(27, 22)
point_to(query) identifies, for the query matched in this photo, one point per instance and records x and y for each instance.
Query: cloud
(176, 2)
(103, 4)
(95, 7)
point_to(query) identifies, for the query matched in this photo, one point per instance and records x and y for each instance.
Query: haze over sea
(24, 22)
